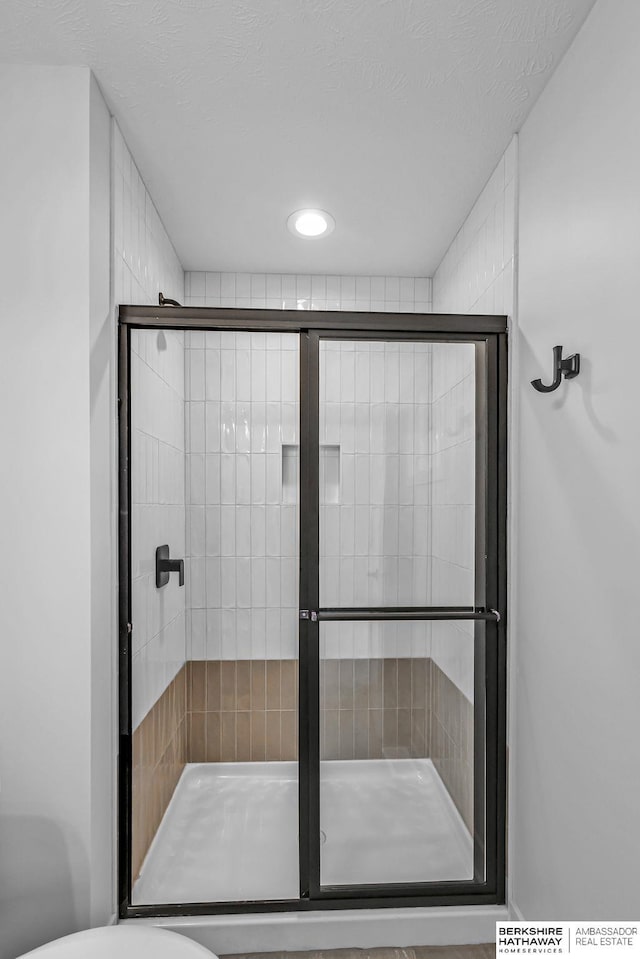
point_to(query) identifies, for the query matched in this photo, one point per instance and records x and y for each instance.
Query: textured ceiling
(390, 114)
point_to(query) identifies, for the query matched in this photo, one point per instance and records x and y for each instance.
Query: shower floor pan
(230, 831)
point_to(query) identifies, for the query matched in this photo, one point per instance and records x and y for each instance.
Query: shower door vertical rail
(495, 591)
(309, 703)
(124, 618)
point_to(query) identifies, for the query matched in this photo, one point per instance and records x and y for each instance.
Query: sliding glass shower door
(215, 427)
(402, 634)
(311, 588)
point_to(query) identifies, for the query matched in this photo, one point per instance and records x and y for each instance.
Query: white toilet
(122, 942)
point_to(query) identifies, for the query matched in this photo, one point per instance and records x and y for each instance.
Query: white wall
(45, 562)
(103, 517)
(58, 573)
(575, 756)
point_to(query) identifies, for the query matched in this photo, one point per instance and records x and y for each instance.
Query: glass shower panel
(398, 766)
(397, 473)
(158, 615)
(215, 437)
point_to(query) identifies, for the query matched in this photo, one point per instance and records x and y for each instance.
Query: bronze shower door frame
(489, 334)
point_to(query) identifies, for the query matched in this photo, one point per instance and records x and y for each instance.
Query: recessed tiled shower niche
(329, 470)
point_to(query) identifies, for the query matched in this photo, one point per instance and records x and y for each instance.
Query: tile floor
(479, 951)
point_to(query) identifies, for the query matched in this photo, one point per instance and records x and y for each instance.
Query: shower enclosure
(312, 603)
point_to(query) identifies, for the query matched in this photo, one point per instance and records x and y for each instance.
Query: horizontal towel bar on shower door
(403, 613)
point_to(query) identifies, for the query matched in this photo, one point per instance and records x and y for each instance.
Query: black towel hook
(569, 367)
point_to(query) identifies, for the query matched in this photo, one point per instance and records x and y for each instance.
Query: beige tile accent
(243, 736)
(161, 744)
(228, 730)
(213, 686)
(346, 684)
(390, 683)
(288, 734)
(404, 683)
(376, 673)
(243, 684)
(451, 741)
(419, 743)
(361, 684)
(273, 684)
(227, 669)
(289, 684)
(258, 685)
(244, 711)
(197, 738)
(258, 721)
(197, 681)
(361, 732)
(330, 691)
(345, 733)
(404, 732)
(375, 733)
(374, 708)
(212, 726)
(273, 735)
(330, 734)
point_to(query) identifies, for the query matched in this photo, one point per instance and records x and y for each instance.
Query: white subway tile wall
(402, 534)
(452, 477)
(453, 472)
(157, 511)
(242, 421)
(375, 539)
(402, 419)
(286, 291)
(144, 264)
(476, 276)
(242, 470)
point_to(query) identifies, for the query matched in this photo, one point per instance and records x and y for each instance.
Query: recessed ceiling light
(311, 224)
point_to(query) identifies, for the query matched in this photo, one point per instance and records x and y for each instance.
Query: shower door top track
(298, 321)
(489, 336)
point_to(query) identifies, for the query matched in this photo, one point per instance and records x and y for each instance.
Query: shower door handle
(400, 613)
(165, 566)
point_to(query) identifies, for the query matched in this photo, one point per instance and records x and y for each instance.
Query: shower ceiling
(390, 113)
